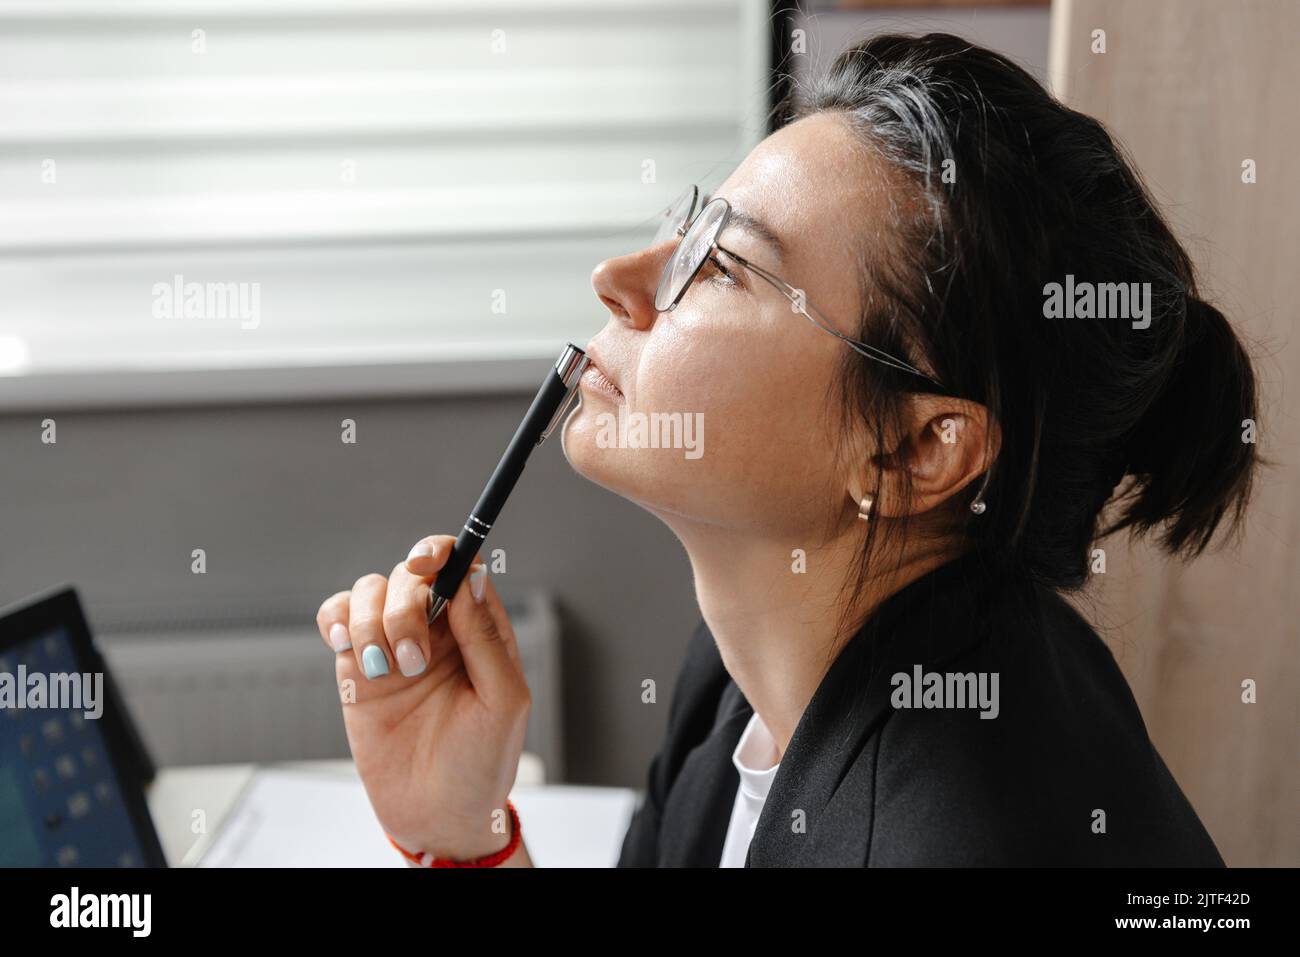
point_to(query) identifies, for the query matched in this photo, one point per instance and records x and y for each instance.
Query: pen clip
(570, 369)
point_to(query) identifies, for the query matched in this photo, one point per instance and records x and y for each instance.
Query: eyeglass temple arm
(801, 303)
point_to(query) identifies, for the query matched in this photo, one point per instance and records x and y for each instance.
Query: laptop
(73, 768)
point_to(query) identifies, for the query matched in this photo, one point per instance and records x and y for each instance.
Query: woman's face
(751, 381)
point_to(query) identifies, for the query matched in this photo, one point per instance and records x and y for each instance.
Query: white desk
(563, 826)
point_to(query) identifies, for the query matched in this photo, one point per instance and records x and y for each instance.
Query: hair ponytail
(1192, 452)
(1044, 195)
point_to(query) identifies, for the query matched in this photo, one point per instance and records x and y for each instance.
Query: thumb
(483, 634)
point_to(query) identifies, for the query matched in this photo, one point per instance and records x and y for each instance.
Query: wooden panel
(1194, 88)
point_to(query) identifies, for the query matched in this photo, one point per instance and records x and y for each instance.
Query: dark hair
(958, 285)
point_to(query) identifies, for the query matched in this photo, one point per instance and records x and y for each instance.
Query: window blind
(198, 192)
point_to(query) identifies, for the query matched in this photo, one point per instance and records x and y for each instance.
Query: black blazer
(863, 783)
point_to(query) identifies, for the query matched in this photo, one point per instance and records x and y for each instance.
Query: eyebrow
(754, 226)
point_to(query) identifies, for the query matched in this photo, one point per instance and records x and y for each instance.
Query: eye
(717, 273)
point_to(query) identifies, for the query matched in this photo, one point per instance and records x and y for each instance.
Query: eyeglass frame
(796, 296)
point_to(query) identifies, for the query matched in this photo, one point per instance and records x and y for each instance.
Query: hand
(435, 715)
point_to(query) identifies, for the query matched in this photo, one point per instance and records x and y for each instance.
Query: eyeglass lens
(690, 255)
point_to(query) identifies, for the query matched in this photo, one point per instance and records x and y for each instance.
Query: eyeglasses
(698, 244)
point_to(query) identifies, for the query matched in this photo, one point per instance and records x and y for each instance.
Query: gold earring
(864, 507)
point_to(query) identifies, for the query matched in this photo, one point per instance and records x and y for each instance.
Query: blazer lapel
(819, 810)
(698, 810)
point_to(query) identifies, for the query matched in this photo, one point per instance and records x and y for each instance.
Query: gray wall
(288, 514)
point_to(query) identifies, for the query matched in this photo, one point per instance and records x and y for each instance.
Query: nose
(626, 285)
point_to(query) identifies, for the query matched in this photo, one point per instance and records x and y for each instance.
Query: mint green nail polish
(374, 662)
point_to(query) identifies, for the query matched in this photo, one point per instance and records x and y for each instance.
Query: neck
(778, 629)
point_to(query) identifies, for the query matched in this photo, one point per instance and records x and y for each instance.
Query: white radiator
(217, 695)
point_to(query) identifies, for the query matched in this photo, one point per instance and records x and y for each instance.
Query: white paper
(287, 818)
(573, 826)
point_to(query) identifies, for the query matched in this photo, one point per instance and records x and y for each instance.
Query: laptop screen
(68, 797)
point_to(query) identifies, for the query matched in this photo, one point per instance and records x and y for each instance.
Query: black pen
(549, 406)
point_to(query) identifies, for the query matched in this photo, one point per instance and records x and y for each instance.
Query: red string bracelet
(492, 860)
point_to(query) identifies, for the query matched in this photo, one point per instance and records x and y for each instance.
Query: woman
(931, 324)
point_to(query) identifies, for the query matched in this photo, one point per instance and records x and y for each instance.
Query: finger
(428, 555)
(442, 552)
(332, 620)
(482, 641)
(366, 625)
(406, 622)
(497, 609)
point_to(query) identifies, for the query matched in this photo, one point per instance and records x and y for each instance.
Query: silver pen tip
(436, 604)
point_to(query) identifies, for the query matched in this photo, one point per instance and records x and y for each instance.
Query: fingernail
(409, 658)
(478, 582)
(421, 550)
(373, 662)
(340, 640)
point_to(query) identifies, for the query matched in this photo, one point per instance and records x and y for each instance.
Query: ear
(945, 445)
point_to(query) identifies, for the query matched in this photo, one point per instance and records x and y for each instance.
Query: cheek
(761, 400)
(769, 454)
(677, 378)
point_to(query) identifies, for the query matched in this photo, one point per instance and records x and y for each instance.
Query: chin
(651, 478)
(604, 466)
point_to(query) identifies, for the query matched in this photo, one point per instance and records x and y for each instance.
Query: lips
(599, 379)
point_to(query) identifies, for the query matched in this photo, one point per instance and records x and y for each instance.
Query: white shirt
(756, 759)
